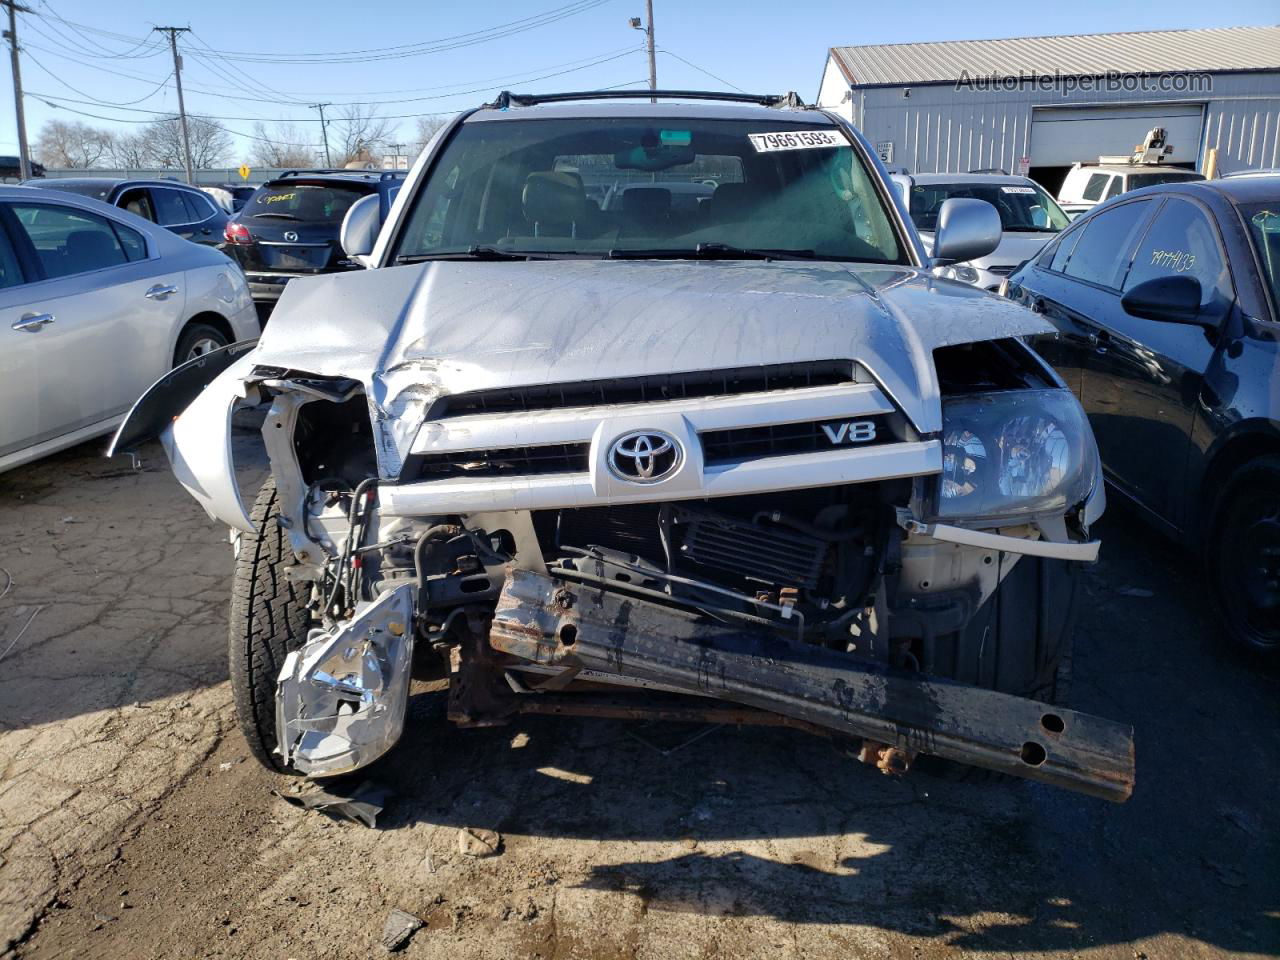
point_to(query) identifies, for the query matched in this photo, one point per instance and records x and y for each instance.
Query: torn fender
(152, 412)
(198, 444)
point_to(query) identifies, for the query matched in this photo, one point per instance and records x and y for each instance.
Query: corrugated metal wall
(939, 129)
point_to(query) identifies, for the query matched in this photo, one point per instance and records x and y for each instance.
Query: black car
(180, 209)
(1167, 307)
(289, 227)
(11, 168)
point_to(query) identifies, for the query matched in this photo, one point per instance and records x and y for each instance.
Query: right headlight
(1014, 455)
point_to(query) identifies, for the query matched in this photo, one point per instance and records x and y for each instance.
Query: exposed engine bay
(539, 611)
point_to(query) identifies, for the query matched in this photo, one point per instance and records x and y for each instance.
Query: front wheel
(1243, 556)
(269, 619)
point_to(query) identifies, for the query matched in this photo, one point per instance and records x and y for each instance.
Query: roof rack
(508, 99)
(370, 174)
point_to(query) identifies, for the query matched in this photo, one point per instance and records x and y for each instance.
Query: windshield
(650, 188)
(1264, 230)
(302, 201)
(1137, 180)
(1023, 207)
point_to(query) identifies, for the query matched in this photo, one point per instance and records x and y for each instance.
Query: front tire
(269, 619)
(1243, 556)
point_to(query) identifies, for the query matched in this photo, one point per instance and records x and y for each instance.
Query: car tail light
(236, 232)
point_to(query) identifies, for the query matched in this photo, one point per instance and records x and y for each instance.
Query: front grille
(656, 388)
(502, 462)
(784, 439)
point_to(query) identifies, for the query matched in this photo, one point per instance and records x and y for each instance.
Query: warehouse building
(1036, 105)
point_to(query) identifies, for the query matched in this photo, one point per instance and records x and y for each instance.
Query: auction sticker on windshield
(795, 140)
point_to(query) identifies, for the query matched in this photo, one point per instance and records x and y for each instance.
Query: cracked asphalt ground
(134, 824)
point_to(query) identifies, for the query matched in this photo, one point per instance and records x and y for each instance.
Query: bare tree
(425, 128)
(71, 145)
(357, 133)
(210, 142)
(132, 151)
(281, 145)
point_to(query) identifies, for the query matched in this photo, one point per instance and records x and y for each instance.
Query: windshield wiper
(484, 251)
(711, 250)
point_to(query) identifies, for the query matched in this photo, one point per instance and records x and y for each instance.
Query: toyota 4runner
(722, 448)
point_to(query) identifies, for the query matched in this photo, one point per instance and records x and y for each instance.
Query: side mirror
(360, 227)
(1172, 299)
(967, 229)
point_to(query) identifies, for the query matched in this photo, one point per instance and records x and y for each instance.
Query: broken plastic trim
(341, 697)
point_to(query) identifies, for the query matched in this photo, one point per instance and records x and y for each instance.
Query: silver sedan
(96, 304)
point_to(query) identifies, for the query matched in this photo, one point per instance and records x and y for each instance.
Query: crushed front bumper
(566, 626)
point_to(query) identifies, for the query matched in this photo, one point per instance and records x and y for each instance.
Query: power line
(162, 119)
(420, 48)
(403, 116)
(177, 82)
(146, 42)
(106, 103)
(701, 70)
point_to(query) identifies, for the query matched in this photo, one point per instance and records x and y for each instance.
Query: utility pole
(182, 109)
(648, 34)
(24, 155)
(324, 131)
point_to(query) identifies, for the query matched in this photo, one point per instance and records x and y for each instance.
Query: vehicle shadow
(775, 823)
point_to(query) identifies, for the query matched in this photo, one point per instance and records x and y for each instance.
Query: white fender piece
(198, 444)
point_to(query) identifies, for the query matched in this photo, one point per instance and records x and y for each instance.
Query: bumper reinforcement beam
(562, 624)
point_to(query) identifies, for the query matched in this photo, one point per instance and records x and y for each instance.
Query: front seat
(90, 250)
(555, 203)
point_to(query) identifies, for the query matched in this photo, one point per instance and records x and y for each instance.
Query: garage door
(1060, 138)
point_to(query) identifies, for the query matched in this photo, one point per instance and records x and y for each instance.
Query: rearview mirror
(967, 229)
(360, 227)
(1172, 299)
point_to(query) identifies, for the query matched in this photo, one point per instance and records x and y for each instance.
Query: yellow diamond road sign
(244, 171)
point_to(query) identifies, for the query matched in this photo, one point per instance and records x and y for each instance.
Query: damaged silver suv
(653, 410)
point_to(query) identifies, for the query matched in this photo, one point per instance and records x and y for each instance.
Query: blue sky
(753, 44)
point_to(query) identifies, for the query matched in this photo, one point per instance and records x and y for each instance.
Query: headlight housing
(1014, 454)
(960, 271)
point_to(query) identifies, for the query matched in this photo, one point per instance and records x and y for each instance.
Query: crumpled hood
(412, 333)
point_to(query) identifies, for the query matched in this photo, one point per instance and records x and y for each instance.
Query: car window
(134, 244)
(138, 203)
(1116, 188)
(1182, 240)
(199, 206)
(10, 269)
(305, 202)
(1264, 230)
(69, 241)
(170, 210)
(1097, 183)
(1023, 207)
(1102, 253)
(651, 188)
(1062, 253)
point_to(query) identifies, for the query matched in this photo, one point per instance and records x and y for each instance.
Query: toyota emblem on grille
(291, 236)
(645, 456)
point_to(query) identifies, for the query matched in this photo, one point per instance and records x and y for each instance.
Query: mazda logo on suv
(291, 236)
(645, 456)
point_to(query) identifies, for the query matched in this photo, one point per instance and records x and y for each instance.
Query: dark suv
(289, 227)
(186, 211)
